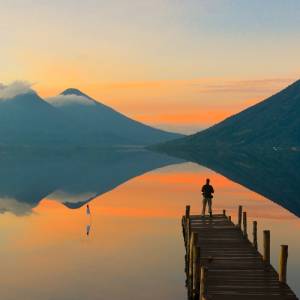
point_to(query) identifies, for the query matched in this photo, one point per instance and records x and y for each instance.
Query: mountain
(71, 119)
(101, 120)
(27, 119)
(271, 124)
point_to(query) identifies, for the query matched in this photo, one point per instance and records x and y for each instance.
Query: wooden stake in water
(255, 234)
(240, 217)
(267, 242)
(245, 224)
(283, 263)
(196, 271)
(203, 283)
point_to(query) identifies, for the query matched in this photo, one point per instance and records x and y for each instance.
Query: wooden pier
(223, 264)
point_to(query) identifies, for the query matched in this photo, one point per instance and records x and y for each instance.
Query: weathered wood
(229, 218)
(267, 247)
(224, 212)
(193, 244)
(255, 234)
(188, 232)
(235, 269)
(203, 283)
(283, 263)
(245, 224)
(196, 272)
(187, 211)
(240, 217)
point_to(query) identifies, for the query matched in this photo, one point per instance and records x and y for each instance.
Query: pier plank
(234, 269)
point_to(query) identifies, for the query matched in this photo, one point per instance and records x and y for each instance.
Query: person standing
(207, 191)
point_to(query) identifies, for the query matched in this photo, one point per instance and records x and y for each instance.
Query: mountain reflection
(73, 178)
(272, 173)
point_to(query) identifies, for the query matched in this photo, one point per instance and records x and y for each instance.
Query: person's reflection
(88, 229)
(89, 224)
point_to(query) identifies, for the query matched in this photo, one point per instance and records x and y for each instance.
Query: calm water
(134, 249)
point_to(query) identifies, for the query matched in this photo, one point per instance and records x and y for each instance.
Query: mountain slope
(28, 120)
(273, 122)
(102, 120)
(72, 119)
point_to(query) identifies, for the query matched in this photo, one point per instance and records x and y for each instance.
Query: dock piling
(283, 263)
(255, 234)
(245, 224)
(203, 283)
(240, 217)
(222, 264)
(267, 241)
(196, 272)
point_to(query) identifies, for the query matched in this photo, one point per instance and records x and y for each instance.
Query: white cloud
(12, 90)
(14, 206)
(62, 100)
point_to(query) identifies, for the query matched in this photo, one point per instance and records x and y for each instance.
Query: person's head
(207, 180)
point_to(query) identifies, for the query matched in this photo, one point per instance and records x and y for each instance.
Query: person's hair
(207, 180)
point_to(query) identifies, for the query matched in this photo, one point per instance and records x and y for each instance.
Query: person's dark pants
(207, 201)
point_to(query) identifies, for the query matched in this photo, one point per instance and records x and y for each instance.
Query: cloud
(62, 100)
(16, 88)
(14, 206)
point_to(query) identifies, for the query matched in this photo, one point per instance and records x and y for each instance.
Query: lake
(130, 246)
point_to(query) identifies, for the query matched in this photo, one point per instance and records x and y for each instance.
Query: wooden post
(187, 232)
(255, 234)
(267, 241)
(193, 243)
(224, 212)
(229, 218)
(187, 211)
(245, 224)
(240, 217)
(196, 271)
(283, 263)
(203, 283)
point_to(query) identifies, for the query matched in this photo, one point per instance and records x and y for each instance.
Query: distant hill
(272, 123)
(70, 119)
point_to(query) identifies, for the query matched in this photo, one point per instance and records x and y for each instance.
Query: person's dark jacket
(207, 191)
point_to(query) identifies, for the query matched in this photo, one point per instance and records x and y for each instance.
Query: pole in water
(283, 263)
(240, 217)
(88, 211)
(267, 239)
(245, 224)
(255, 234)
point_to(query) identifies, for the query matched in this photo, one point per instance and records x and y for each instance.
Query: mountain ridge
(271, 123)
(28, 120)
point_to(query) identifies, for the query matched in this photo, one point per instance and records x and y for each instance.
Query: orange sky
(181, 105)
(176, 65)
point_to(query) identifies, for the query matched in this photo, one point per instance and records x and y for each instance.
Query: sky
(178, 65)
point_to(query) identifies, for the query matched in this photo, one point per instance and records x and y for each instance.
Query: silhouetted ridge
(272, 123)
(70, 119)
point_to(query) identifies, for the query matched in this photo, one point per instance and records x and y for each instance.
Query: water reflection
(73, 178)
(273, 174)
(131, 236)
(136, 243)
